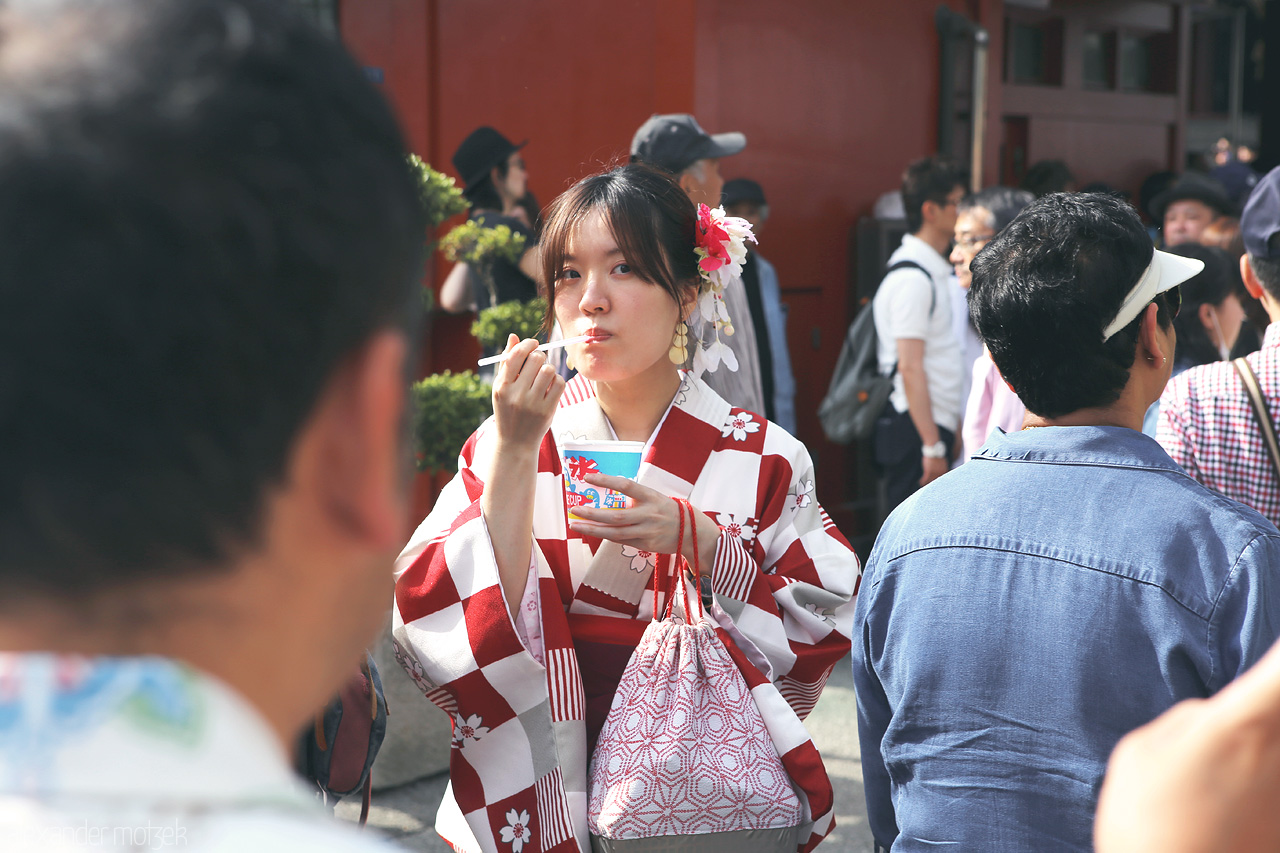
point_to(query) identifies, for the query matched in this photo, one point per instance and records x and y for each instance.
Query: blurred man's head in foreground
(211, 245)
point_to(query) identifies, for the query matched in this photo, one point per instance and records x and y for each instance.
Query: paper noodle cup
(617, 458)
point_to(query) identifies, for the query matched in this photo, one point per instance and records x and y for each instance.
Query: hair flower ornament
(721, 246)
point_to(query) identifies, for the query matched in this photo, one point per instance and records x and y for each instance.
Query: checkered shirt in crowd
(1207, 425)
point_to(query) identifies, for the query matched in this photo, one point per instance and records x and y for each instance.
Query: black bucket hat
(1192, 186)
(480, 152)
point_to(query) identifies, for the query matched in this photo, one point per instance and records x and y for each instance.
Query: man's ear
(352, 456)
(1150, 342)
(929, 211)
(688, 183)
(1251, 283)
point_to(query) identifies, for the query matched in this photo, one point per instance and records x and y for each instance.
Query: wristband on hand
(937, 450)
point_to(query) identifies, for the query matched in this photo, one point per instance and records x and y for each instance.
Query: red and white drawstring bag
(685, 761)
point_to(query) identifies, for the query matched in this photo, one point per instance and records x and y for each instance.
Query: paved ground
(407, 813)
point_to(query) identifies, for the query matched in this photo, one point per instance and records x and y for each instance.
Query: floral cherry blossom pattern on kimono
(516, 832)
(740, 425)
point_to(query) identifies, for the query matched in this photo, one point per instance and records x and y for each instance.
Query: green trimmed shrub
(476, 243)
(494, 323)
(440, 195)
(447, 409)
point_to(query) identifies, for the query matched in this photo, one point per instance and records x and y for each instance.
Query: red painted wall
(395, 36)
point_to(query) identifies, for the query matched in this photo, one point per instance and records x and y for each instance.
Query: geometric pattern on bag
(684, 750)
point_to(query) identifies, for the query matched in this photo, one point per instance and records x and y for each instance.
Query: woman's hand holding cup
(651, 523)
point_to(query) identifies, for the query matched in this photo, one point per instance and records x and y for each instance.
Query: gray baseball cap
(1261, 218)
(676, 141)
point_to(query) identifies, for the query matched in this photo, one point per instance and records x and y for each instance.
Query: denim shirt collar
(1078, 445)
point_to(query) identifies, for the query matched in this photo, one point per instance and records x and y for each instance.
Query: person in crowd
(506, 604)
(1188, 206)
(677, 144)
(744, 198)
(970, 229)
(1210, 319)
(1224, 233)
(916, 343)
(1049, 176)
(979, 218)
(989, 688)
(1152, 186)
(1104, 187)
(1206, 423)
(495, 184)
(1211, 315)
(212, 247)
(889, 205)
(1204, 775)
(1235, 174)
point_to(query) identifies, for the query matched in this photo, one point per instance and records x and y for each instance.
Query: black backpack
(858, 390)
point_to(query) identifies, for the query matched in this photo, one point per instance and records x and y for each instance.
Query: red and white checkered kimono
(784, 581)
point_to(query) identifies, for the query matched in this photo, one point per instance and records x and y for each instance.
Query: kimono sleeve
(788, 578)
(453, 630)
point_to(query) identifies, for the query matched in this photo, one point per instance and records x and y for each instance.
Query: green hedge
(494, 323)
(447, 409)
(476, 243)
(440, 195)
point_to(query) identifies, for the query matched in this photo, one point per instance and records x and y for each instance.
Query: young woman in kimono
(517, 618)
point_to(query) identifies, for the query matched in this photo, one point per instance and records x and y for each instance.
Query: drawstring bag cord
(679, 565)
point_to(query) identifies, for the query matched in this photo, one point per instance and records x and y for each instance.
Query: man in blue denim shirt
(1070, 583)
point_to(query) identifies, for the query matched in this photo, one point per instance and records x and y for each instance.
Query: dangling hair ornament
(721, 246)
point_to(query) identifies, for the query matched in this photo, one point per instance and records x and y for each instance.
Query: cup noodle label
(579, 463)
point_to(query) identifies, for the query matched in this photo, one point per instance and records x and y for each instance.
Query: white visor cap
(1165, 272)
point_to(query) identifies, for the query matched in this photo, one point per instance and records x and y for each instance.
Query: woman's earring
(679, 352)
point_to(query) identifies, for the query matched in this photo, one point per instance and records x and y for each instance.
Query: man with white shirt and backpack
(915, 436)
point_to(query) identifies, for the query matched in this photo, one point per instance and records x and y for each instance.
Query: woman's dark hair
(1044, 289)
(649, 215)
(1218, 280)
(484, 195)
